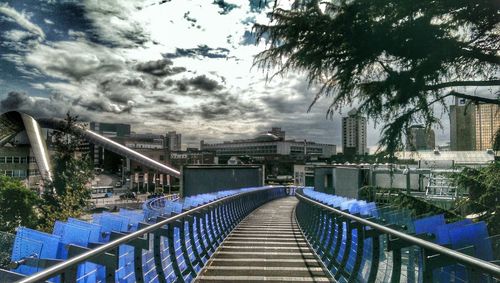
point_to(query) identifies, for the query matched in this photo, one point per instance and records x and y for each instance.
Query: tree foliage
(483, 186)
(72, 175)
(396, 59)
(17, 205)
(402, 201)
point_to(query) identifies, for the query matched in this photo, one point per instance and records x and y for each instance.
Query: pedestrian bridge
(275, 234)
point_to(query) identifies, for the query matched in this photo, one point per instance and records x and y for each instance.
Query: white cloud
(74, 60)
(16, 35)
(114, 21)
(22, 20)
(47, 21)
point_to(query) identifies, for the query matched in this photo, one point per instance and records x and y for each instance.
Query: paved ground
(265, 246)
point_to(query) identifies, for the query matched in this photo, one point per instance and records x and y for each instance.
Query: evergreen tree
(483, 198)
(17, 205)
(72, 174)
(396, 59)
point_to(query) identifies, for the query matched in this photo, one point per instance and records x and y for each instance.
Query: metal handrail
(63, 266)
(483, 265)
(153, 203)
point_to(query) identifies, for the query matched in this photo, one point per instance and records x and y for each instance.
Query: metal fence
(173, 240)
(170, 249)
(359, 242)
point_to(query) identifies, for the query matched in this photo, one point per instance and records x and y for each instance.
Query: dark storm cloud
(110, 84)
(135, 83)
(201, 50)
(214, 110)
(159, 68)
(122, 90)
(164, 100)
(55, 106)
(14, 100)
(120, 98)
(202, 83)
(280, 104)
(225, 7)
(171, 116)
(181, 86)
(228, 107)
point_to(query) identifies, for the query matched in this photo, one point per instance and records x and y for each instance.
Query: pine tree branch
(463, 83)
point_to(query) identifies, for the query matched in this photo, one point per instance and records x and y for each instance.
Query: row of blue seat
(457, 235)
(36, 244)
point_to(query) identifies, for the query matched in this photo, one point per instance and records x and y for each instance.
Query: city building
(487, 124)
(420, 138)
(173, 141)
(192, 156)
(462, 125)
(17, 160)
(269, 145)
(473, 127)
(138, 141)
(354, 134)
(109, 130)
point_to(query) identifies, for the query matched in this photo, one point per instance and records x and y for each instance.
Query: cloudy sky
(183, 65)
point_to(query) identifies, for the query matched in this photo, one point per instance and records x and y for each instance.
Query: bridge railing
(356, 244)
(172, 249)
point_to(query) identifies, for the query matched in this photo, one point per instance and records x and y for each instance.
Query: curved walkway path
(266, 246)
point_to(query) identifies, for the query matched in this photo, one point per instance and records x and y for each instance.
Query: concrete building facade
(269, 145)
(420, 138)
(462, 126)
(473, 127)
(487, 124)
(354, 134)
(173, 141)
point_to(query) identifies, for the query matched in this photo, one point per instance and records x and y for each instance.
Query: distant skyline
(180, 65)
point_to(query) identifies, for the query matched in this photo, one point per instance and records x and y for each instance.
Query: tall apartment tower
(473, 127)
(173, 141)
(487, 124)
(354, 134)
(420, 138)
(462, 125)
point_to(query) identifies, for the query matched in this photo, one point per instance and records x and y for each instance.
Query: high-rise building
(420, 138)
(173, 141)
(473, 127)
(487, 124)
(354, 134)
(462, 125)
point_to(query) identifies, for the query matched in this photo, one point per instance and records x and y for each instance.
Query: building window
(2, 159)
(16, 159)
(8, 159)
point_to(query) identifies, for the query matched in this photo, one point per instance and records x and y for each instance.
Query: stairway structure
(267, 245)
